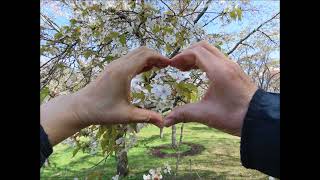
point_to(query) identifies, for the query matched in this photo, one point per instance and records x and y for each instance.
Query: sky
(249, 21)
(266, 10)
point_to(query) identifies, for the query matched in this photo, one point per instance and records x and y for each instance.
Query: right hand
(227, 99)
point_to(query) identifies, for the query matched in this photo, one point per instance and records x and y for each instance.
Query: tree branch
(168, 7)
(267, 36)
(252, 32)
(50, 22)
(176, 51)
(202, 12)
(60, 55)
(221, 14)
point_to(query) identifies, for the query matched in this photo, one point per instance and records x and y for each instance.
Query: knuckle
(204, 42)
(233, 70)
(145, 51)
(142, 48)
(195, 51)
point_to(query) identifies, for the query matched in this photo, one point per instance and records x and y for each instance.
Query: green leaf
(132, 4)
(58, 35)
(194, 96)
(113, 35)
(100, 132)
(123, 39)
(156, 29)
(61, 65)
(148, 87)
(44, 93)
(73, 21)
(233, 14)
(169, 12)
(146, 75)
(104, 142)
(168, 48)
(174, 20)
(143, 16)
(180, 38)
(239, 13)
(168, 29)
(109, 58)
(75, 151)
(87, 54)
(138, 95)
(112, 140)
(97, 33)
(188, 90)
(191, 86)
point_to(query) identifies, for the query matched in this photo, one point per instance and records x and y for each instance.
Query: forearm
(59, 118)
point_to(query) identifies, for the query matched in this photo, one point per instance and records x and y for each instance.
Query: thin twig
(267, 36)
(168, 7)
(252, 32)
(176, 51)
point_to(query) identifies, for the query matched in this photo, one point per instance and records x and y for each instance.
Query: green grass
(219, 160)
(181, 148)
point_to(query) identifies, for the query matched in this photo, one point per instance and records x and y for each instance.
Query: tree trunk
(161, 133)
(181, 134)
(179, 153)
(122, 158)
(122, 163)
(174, 137)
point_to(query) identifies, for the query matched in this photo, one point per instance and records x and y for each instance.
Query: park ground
(219, 160)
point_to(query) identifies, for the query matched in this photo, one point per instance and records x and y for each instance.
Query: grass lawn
(219, 160)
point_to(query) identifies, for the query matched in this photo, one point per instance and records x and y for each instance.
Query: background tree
(99, 32)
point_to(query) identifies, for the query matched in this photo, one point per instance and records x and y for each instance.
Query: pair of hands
(106, 100)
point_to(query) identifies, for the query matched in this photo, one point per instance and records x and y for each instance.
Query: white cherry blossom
(116, 177)
(179, 76)
(137, 84)
(161, 91)
(147, 177)
(169, 39)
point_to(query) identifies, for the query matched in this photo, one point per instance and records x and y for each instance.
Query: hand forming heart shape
(223, 106)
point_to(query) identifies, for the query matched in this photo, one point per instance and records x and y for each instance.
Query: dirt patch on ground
(194, 150)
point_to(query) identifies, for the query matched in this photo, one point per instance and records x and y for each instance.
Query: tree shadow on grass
(205, 128)
(70, 170)
(143, 142)
(195, 149)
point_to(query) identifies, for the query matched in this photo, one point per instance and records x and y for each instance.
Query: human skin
(106, 100)
(227, 99)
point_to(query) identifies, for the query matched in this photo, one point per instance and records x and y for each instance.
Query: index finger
(210, 48)
(145, 59)
(197, 57)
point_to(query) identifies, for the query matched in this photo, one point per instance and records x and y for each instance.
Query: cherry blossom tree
(99, 32)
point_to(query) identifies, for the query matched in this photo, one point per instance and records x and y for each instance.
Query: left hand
(106, 100)
(103, 101)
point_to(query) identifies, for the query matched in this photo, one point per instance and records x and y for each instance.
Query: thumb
(139, 115)
(186, 113)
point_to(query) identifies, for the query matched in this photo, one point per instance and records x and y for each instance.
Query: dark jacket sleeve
(260, 136)
(45, 146)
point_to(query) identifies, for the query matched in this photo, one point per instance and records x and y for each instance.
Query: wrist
(59, 118)
(80, 106)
